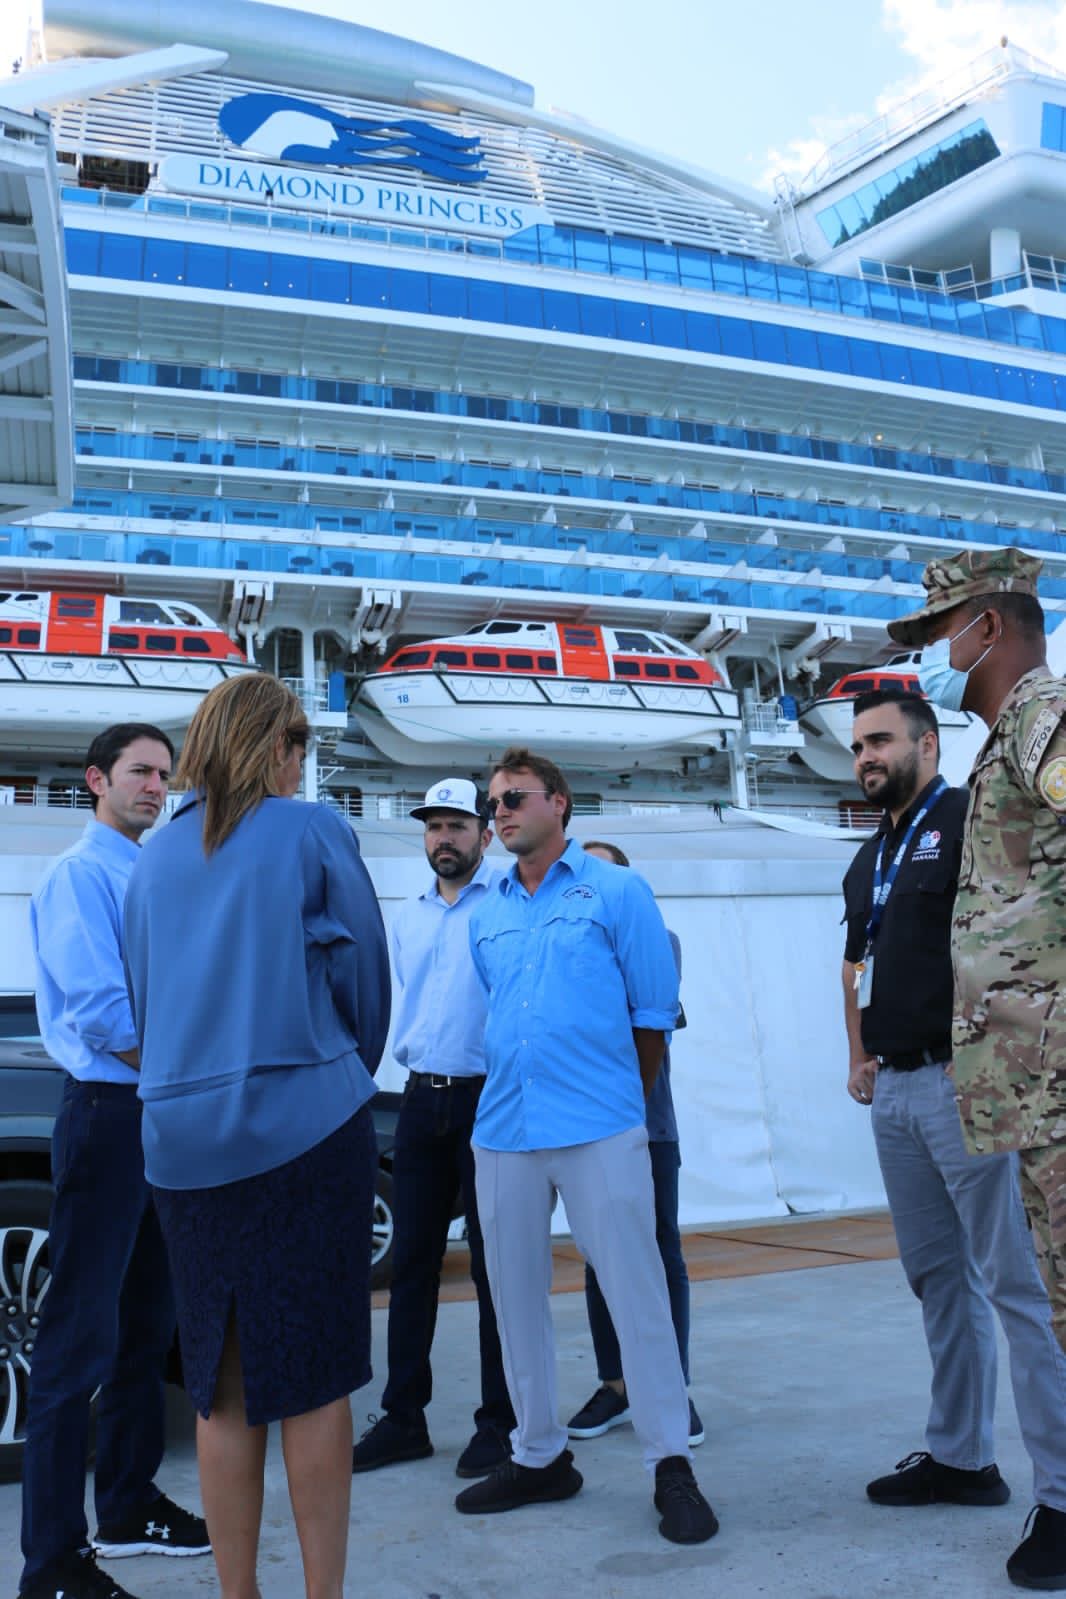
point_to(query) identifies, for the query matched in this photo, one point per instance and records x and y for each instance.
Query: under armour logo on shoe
(152, 1531)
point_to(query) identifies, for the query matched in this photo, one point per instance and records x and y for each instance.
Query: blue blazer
(259, 982)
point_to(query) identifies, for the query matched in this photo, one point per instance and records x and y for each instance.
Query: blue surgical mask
(941, 682)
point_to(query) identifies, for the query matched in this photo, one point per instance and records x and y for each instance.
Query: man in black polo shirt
(959, 1221)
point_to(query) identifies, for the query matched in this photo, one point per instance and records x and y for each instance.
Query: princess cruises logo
(287, 129)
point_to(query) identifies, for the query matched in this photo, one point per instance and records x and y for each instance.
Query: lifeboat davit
(603, 695)
(73, 663)
(826, 722)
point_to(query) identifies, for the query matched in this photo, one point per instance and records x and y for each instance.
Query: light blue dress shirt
(440, 1017)
(570, 971)
(76, 929)
(259, 977)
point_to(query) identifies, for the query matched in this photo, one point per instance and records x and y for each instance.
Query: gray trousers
(606, 1187)
(963, 1241)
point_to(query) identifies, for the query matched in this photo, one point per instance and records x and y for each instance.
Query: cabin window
(486, 658)
(638, 643)
(412, 658)
(688, 673)
(72, 606)
(28, 635)
(857, 685)
(656, 669)
(519, 663)
(546, 663)
(160, 641)
(580, 635)
(5, 635)
(450, 658)
(186, 617)
(504, 627)
(195, 646)
(142, 611)
(626, 669)
(125, 641)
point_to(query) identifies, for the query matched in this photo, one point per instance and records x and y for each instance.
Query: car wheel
(382, 1232)
(25, 1208)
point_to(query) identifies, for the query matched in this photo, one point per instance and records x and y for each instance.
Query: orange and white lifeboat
(72, 663)
(575, 690)
(826, 721)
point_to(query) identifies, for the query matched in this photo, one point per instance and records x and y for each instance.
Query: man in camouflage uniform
(1009, 925)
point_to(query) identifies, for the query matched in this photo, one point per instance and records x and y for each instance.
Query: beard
(447, 861)
(897, 787)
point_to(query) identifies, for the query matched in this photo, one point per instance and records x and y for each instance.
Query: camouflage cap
(953, 579)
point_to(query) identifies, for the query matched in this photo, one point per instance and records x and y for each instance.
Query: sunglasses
(513, 799)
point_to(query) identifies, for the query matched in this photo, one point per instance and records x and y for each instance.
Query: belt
(438, 1079)
(911, 1060)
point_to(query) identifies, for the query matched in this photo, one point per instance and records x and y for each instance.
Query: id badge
(864, 981)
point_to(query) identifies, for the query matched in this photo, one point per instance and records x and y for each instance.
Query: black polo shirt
(911, 1004)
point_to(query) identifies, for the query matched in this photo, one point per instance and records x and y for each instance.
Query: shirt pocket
(576, 946)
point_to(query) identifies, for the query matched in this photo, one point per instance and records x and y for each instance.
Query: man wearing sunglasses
(582, 989)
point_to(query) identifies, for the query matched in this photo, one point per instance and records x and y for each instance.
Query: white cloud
(941, 37)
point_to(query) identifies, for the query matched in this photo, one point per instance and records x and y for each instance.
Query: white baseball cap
(453, 794)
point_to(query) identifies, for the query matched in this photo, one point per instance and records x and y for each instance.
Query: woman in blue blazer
(258, 972)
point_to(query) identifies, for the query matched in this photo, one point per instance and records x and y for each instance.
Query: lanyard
(883, 885)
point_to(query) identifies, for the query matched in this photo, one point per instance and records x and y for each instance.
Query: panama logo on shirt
(928, 846)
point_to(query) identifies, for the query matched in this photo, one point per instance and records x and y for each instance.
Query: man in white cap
(440, 1031)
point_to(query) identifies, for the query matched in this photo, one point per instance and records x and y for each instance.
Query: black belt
(438, 1079)
(910, 1060)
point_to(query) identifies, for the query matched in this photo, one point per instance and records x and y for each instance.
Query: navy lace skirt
(287, 1253)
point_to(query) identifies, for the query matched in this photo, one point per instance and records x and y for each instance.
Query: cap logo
(444, 792)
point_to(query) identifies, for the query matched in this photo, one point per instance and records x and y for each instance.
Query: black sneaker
(1040, 1559)
(488, 1448)
(76, 1576)
(696, 1434)
(161, 1528)
(686, 1515)
(387, 1443)
(920, 1480)
(604, 1410)
(511, 1486)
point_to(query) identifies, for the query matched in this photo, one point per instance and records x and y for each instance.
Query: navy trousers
(432, 1165)
(107, 1323)
(665, 1165)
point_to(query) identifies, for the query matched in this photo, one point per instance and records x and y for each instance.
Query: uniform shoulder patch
(1042, 731)
(1052, 783)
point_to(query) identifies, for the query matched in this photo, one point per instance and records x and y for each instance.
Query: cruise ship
(378, 365)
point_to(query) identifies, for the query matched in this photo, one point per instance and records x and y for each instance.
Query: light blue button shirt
(83, 1006)
(440, 1017)
(570, 971)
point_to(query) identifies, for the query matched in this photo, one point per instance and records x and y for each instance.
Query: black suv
(31, 1089)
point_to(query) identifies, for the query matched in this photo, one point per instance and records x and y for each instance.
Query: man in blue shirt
(108, 1318)
(582, 991)
(440, 1038)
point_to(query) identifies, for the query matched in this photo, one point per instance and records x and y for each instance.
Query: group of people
(221, 1000)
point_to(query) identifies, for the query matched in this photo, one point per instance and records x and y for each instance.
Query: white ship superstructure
(369, 351)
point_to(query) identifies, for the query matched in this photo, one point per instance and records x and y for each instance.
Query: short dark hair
(915, 709)
(1022, 613)
(516, 759)
(107, 746)
(617, 855)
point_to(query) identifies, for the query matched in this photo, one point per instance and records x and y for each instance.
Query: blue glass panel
(409, 291)
(561, 311)
(597, 316)
(290, 276)
(121, 256)
(1053, 127)
(633, 321)
(523, 305)
(83, 252)
(205, 267)
(736, 337)
(833, 353)
(913, 180)
(330, 281)
(369, 285)
(487, 302)
(770, 343)
(668, 326)
(249, 271)
(702, 332)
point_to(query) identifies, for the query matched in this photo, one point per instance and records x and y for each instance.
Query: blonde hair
(230, 750)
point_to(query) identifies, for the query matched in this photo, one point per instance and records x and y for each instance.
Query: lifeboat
(826, 722)
(576, 691)
(73, 663)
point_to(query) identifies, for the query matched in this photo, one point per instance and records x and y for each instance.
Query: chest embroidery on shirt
(580, 891)
(1053, 782)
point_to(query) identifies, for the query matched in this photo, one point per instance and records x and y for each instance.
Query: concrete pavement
(809, 1383)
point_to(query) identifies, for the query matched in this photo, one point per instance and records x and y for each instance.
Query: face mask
(941, 682)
